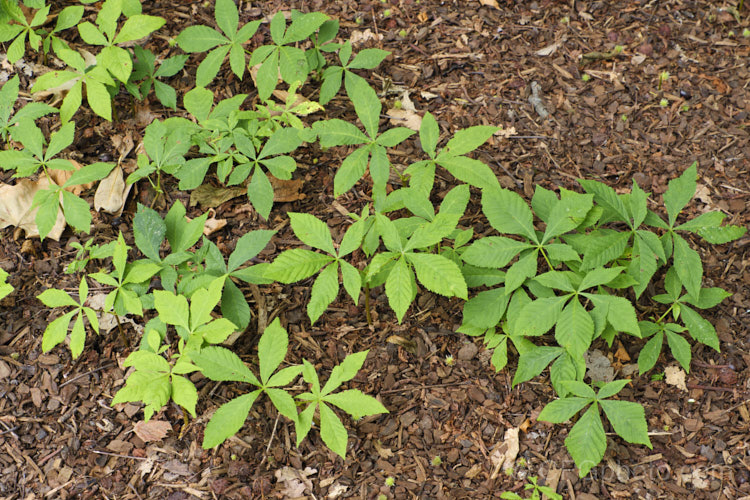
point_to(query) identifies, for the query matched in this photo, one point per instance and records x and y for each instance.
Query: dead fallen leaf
(212, 223)
(622, 354)
(404, 118)
(548, 50)
(360, 37)
(208, 196)
(295, 481)
(336, 490)
(490, 3)
(286, 190)
(504, 455)
(112, 192)
(382, 451)
(505, 132)
(674, 375)
(153, 430)
(407, 344)
(15, 207)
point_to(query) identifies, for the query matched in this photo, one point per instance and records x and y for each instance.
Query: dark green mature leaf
(493, 251)
(699, 327)
(628, 419)
(531, 363)
(228, 419)
(687, 263)
(587, 441)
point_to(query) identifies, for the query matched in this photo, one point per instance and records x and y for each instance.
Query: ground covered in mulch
(467, 64)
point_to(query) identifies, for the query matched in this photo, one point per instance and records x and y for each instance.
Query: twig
(85, 374)
(273, 433)
(115, 454)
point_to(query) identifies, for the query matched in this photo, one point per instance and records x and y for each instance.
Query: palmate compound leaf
(438, 274)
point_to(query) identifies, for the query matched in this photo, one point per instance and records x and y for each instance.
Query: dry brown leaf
(112, 192)
(295, 481)
(407, 344)
(60, 177)
(674, 375)
(404, 118)
(286, 190)
(360, 37)
(505, 132)
(208, 196)
(15, 208)
(490, 3)
(504, 455)
(384, 452)
(153, 430)
(548, 50)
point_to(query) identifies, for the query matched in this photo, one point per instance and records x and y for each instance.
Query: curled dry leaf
(153, 430)
(15, 208)
(112, 192)
(407, 115)
(212, 223)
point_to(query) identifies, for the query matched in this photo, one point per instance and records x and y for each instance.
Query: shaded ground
(59, 438)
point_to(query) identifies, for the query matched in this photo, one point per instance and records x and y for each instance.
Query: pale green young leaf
(312, 231)
(355, 403)
(568, 214)
(600, 276)
(438, 274)
(199, 38)
(393, 137)
(699, 327)
(508, 213)
(77, 212)
(89, 173)
(687, 263)
(680, 349)
(325, 289)
(352, 280)
(234, 306)
(469, 170)
(351, 170)
(184, 393)
(368, 59)
(296, 264)
(468, 139)
(532, 362)
(602, 246)
(283, 402)
(53, 297)
(722, 235)
(543, 202)
(221, 364)
(705, 220)
(606, 197)
(227, 17)
(336, 132)
(429, 133)
(587, 441)
(708, 298)
(98, 99)
(562, 410)
(620, 312)
(525, 267)
(638, 204)
(344, 371)
(209, 67)
(628, 420)
(556, 280)
(77, 337)
(399, 288)
(649, 353)
(248, 246)
(60, 140)
(366, 104)
(332, 431)
(260, 193)
(538, 316)
(562, 370)
(173, 309)
(138, 26)
(56, 331)
(486, 309)
(493, 251)
(272, 349)
(285, 376)
(680, 191)
(149, 230)
(574, 329)
(302, 27)
(198, 102)
(49, 208)
(228, 419)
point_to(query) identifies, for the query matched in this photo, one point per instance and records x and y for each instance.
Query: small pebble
(468, 351)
